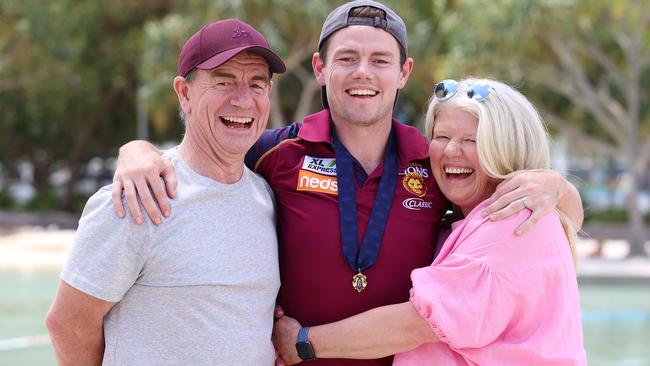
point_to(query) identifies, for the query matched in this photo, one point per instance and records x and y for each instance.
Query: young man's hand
(138, 174)
(539, 191)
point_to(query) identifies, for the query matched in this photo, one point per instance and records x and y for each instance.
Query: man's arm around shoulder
(76, 326)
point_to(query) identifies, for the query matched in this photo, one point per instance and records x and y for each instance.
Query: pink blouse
(493, 298)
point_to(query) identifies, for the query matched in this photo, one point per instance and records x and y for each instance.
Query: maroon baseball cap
(220, 41)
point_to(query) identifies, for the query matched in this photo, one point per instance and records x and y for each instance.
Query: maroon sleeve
(269, 139)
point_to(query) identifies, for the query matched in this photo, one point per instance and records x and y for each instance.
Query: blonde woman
(490, 297)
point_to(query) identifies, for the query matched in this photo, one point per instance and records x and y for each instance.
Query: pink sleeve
(466, 303)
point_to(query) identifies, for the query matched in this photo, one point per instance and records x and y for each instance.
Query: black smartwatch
(304, 348)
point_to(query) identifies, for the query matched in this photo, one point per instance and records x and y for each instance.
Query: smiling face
(362, 74)
(454, 159)
(227, 108)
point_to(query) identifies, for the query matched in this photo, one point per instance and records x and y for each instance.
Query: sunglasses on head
(448, 88)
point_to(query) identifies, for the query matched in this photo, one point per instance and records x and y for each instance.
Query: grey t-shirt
(197, 290)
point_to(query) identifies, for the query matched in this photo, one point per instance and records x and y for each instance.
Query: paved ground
(29, 248)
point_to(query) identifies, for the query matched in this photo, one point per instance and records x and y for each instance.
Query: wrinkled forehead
(245, 62)
(247, 59)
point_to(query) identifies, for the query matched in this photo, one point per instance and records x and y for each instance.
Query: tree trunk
(276, 118)
(636, 224)
(42, 170)
(309, 87)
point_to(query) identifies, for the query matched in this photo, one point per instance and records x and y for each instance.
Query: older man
(200, 290)
(358, 208)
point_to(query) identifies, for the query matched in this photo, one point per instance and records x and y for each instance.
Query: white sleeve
(108, 253)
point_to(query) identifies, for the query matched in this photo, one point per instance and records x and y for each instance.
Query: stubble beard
(362, 118)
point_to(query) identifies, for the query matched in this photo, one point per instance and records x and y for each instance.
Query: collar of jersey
(411, 144)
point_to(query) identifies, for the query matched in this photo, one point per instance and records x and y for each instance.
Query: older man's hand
(285, 333)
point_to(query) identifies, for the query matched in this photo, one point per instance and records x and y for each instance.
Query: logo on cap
(237, 33)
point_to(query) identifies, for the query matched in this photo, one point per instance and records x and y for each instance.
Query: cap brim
(276, 65)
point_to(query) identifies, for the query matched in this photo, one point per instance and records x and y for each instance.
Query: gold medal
(359, 282)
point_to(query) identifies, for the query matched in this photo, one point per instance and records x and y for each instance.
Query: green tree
(68, 75)
(74, 75)
(292, 29)
(586, 64)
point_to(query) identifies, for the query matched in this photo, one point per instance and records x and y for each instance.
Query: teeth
(238, 119)
(362, 92)
(458, 170)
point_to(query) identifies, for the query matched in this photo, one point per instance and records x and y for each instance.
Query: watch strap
(303, 334)
(303, 346)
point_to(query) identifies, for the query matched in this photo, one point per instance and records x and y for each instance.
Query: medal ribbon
(361, 258)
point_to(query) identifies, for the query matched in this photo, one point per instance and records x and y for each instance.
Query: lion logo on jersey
(414, 183)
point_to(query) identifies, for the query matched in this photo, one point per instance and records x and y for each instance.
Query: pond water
(616, 320)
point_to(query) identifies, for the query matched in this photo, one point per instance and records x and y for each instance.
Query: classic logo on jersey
(414, 183)
(312, 182)
(416, 204)
(325, 166)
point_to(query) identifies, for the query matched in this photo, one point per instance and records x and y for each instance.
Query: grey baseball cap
(340, 18)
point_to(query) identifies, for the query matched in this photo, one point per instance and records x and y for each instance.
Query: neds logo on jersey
(312, 182)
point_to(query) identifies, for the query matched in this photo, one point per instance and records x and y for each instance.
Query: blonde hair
(511, 136)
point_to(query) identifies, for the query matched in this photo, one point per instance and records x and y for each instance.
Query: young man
(200, 290)
(357, 206)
